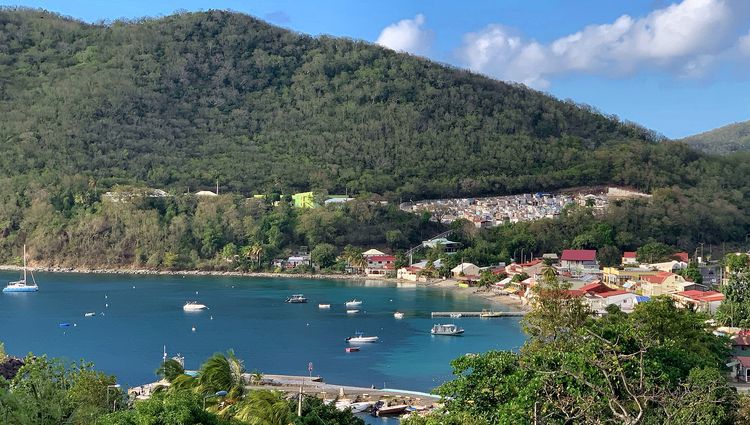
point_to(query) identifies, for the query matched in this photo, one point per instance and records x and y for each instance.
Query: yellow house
(304, 200)
(612, 276)
(663, 283)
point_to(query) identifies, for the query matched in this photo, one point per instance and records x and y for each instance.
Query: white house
(465, 269)
(623, 299)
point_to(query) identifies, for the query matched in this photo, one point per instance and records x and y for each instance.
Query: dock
(455, 314)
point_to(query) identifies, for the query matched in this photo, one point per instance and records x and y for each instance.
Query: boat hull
(27, 288)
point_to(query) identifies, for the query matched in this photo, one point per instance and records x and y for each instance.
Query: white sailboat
(22, 285)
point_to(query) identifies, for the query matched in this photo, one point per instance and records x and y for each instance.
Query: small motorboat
(194, 306)
(456, 315)
(447, 329)
(353, 303)
(324, 306)
(351, 349)
(360, 337)
(296, 299)
(360, 406)
(64, 325)
(487, 314)
(398, 315)
(353, 311)
(89, 314)
(381, 409)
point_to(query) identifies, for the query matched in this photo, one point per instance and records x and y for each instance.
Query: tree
(315, 412)
(654, 252)
(692, 273)
(609, 256)
(166, 408)
(324, 255)
(262, 407)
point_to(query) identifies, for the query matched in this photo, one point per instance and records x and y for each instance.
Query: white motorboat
(296, 299)
(358, 407)
(360, 337)
(352, 311)
(22, 285)
(324, 306)
(89, 314)
(447, 329)
(398, 315)
(456, 315)
(353, 303)
(194, 306)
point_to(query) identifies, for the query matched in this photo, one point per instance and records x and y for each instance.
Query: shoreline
(450, 284)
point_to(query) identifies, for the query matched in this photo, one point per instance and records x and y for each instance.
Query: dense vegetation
(657, 365)
(50, 392)
(182, 101)
(729, 139)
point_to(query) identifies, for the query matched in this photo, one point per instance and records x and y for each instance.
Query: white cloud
(683, 38)
(407, 35)
(744, 44)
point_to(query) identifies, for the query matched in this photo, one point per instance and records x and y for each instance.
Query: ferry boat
(353, 303)
(194, 306)
(447, 329)
(360, 337)
(22, 285)
(296, 299)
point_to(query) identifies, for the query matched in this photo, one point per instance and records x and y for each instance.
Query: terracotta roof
(578, 255)
(706, 296)
(681, 256)
(658, 277)
(628, 254)
(745, 361)
(531, 263)
(741, 340)
(595, 286)
(612, 293)
(381, 258)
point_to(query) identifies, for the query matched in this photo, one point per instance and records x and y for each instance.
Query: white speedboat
(447, 329)
(324, 306)
(353, 303)
(360, 337)
(89, 314)
(398, 315)
(194, 306)
(358, 407)
(296, 299)
(354, 311)
(22, 285)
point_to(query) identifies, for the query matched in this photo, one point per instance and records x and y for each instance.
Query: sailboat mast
(24, 263)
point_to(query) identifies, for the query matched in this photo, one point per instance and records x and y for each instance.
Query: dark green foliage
(315, 412)
(324, 255)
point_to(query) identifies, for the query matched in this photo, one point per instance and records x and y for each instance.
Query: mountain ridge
(728, 139)
(184, 100)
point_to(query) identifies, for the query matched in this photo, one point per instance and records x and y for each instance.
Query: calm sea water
(144, 313)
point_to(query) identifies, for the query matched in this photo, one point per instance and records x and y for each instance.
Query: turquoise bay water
(249, 315)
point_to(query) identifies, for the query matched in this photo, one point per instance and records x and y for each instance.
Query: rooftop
(579, 255)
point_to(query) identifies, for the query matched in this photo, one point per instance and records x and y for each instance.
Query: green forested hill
(183, 100)
(723, 140)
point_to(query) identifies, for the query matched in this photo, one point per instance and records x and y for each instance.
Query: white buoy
(212, 317)
(193, 328)
(106, 305)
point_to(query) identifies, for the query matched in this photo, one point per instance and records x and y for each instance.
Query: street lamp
(221, 393)
(114, 403)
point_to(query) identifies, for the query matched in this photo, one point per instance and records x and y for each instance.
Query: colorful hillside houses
(448, 246)
(702, 301)
(629, 258)
(615, 276)
(664, 283)
(304, 200)
(465, 269)
(380, 265)
(740, 368)
(579, 262)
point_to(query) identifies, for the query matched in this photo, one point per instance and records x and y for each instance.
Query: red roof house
(681, 256)
(578, 255)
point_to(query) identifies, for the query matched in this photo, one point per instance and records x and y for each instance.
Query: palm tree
(222, 373)
(353, 256)
(256, 250)
(170, 370)
(263, 407)
(549, 274)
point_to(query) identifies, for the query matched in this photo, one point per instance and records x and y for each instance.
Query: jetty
(455, 314)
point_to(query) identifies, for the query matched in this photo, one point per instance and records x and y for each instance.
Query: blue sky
(679, 67)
